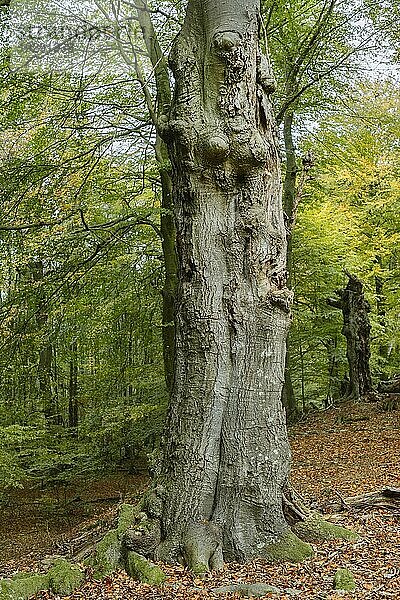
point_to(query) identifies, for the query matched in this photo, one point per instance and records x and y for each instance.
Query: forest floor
(344, 451)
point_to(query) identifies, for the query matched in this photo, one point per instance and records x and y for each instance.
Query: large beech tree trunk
(226, 456)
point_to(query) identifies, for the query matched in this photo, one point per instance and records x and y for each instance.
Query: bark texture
(356, 328)
(226, 454)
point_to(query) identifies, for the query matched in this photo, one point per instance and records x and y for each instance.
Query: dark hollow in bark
(356, 328)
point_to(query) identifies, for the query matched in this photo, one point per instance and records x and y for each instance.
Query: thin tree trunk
(381, 310)
(73, 387)
(44, 370)
(288, 397)
(292, 195)
(289, 194)
(168, 235)
(331, 347)
(289, 183)
(167, 223)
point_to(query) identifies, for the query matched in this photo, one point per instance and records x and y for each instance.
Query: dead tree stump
(356, 329)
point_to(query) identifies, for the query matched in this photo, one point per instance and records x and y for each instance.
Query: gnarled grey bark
(226, 455)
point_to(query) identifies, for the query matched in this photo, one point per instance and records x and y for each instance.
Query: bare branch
(38, 225)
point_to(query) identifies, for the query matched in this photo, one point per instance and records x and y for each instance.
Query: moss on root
(126, 516)
(23, 586)
(64, 578)
(143, 570)
(315, 528)
(106, 555)
(344, 580)
(288, 548)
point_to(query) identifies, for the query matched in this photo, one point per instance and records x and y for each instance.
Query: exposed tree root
(61, 579)
(141, 569)
(202, 548)
(129, 545)
(137, 539)
(310, 525)
(315, 528)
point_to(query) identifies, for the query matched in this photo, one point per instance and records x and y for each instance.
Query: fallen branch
(390, 387)
(388, 498)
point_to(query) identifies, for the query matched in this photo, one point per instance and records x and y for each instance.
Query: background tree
(312, 59)
(356, 328)
(86, 216)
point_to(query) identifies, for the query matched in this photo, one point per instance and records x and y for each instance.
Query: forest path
(344, 451)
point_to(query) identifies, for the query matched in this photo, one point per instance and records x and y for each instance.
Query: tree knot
(226, 41)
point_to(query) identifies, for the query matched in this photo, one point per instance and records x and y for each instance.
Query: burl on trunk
(222, 491)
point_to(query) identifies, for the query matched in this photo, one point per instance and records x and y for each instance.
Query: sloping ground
(351, 450)
(341, 452)
(36, 523)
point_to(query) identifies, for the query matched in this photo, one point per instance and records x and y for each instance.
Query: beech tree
(220, 490)
(226, 456)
